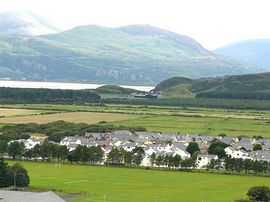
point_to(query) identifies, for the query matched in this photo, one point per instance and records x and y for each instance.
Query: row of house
(165, 144)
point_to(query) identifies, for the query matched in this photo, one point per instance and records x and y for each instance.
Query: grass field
(153, 118)
(137, 185)
(6, 112)
(198, 125)
(76, 117)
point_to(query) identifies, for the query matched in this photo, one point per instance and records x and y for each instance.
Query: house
(233, 153)
(30, 143)
(260, 155)
(204, 159)
(129, 146)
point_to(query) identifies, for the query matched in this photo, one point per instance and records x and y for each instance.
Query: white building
(203, 160)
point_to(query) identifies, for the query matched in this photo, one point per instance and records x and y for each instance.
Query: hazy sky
(213, 23)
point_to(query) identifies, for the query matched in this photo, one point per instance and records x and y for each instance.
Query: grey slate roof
(18, 196)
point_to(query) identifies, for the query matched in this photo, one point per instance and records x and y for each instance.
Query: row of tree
(42, 95)
(246, 166)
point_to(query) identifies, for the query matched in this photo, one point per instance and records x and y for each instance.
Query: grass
(199, 125)
(7, 112)
(76, 117)
(136, 185)
(154, 118)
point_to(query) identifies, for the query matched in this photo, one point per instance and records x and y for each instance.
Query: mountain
(135, 54)
(250, 51)
(24, 23)
(249, 86)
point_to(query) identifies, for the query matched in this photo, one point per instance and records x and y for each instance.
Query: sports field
(136, 185)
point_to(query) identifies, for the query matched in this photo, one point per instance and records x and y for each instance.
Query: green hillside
(136, 54)
(113, 89)
(250, 86)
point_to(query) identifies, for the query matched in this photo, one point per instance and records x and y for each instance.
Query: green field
(137, 185)
(154, 118)
(75, 117)
(198, 125)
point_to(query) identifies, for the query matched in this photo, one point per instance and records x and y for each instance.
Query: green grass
(137, 185)
(157, 118)
(206, 126)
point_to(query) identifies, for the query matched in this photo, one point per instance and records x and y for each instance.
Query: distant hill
(250, 51)
(250, 86)
(24, 23)
(135, 54)
(113, 89)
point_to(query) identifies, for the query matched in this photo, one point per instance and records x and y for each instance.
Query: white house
(204, 159)
(233, 153)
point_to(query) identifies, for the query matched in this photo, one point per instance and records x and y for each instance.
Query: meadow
(113, 184)
(75, 117)
(154, 118)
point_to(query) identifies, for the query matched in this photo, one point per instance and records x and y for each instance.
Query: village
(156, 144)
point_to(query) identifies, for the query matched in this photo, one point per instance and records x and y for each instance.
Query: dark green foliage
(260, 193)
(113, 89)
(42, 95)
(257, 147)
(192, 148)
(4, 174)
(19, 176)
(217, 148)
(15, 175)
(15, 149)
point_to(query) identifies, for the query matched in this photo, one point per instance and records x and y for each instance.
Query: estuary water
(59, 85)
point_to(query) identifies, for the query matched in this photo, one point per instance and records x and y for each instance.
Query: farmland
(136, 185)
(154, 118)
(76, 117)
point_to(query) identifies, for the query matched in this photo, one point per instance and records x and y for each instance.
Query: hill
(24, 23)
(250, 86)
(113, 89)
(250, 51)
(136, 54)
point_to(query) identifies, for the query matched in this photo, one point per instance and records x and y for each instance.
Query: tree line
(195, 102)
(43, 95)
(235, 95)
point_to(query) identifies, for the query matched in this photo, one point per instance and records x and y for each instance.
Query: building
(19, 196)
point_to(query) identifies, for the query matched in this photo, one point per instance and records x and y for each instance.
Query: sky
(213, 23)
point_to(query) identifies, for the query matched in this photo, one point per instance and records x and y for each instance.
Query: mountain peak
(24, 23)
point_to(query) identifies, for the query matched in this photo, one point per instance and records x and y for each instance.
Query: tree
(217, 148)
(153, 159)
(15, 149)
(115, 156)
(257, 147)
(137, 155)
(19, 175)
(259, 193)
(188, 163)
(4, 174)
(192, 148)
(3, 147)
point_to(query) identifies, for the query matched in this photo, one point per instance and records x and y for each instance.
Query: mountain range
(255, 51)
(134, 54)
